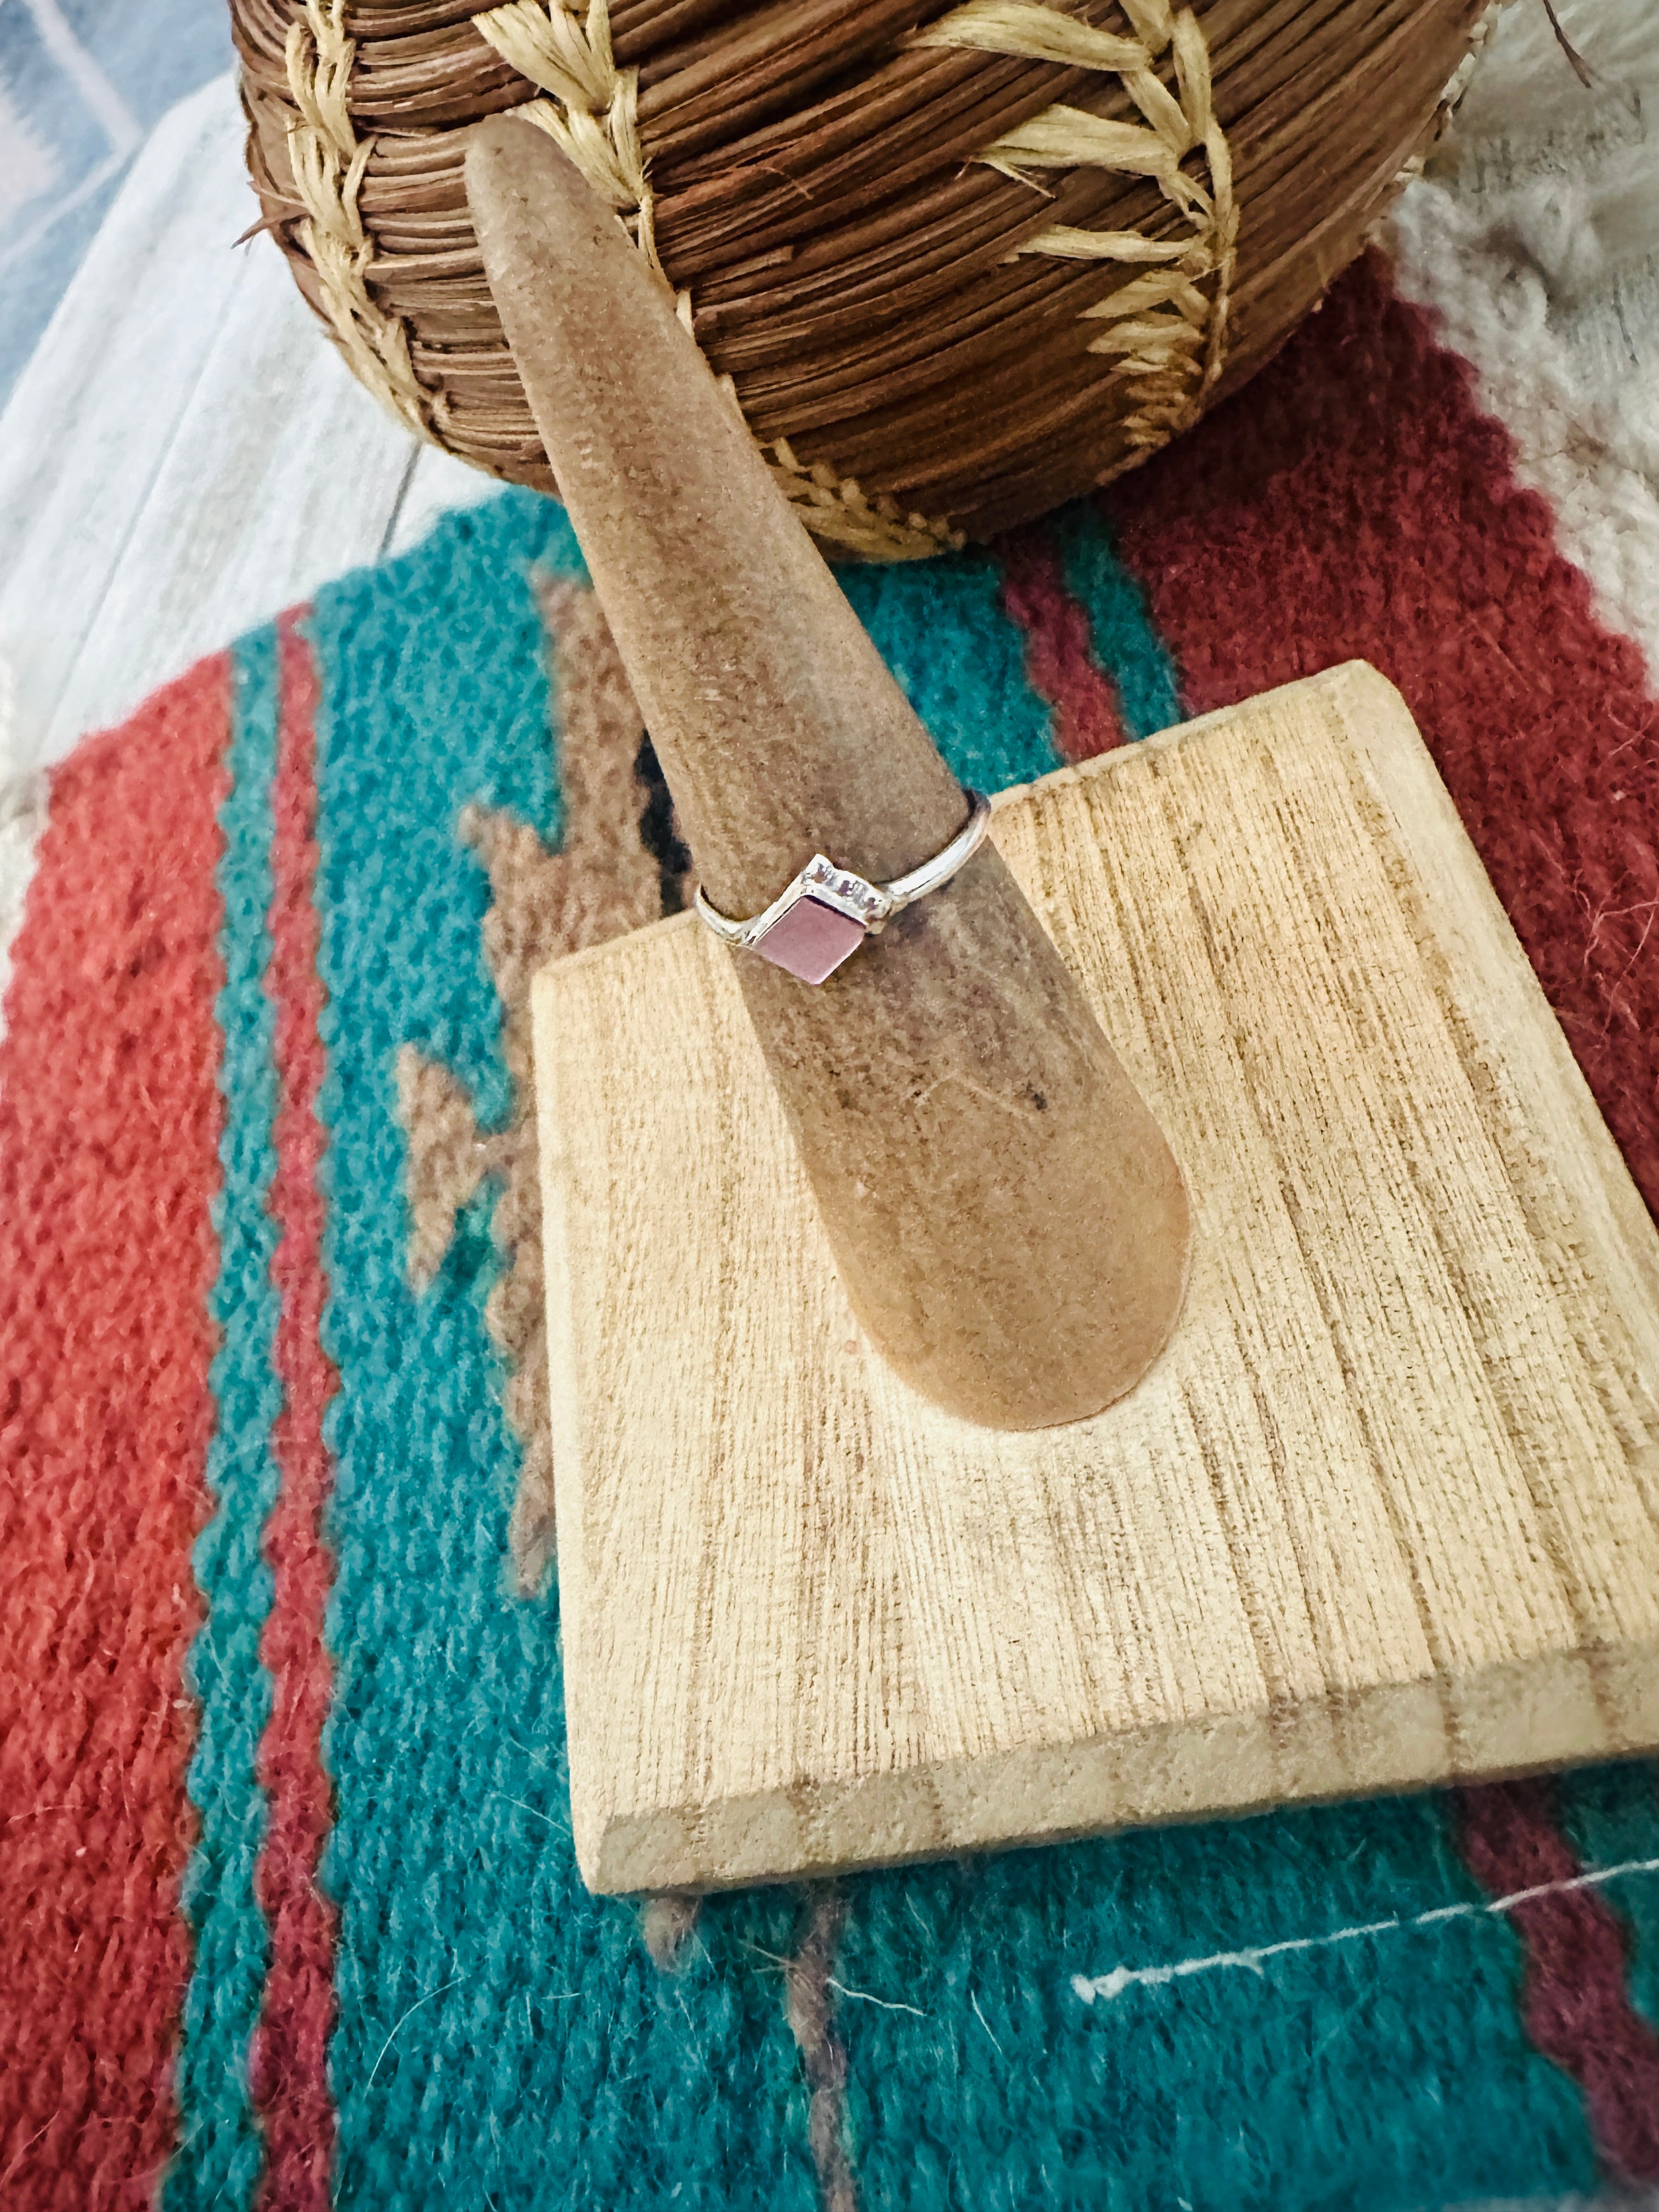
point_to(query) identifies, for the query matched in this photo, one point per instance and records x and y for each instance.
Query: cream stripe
(1588, 444)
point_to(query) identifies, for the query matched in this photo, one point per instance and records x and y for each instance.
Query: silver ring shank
(734, 933)
(905, 891)
(884, 900)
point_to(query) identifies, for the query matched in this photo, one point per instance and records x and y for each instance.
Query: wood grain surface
(1383, 1513)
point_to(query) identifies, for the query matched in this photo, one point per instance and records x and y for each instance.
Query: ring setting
(822, 918)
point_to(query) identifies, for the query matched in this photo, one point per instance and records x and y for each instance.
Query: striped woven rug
(290, 1915)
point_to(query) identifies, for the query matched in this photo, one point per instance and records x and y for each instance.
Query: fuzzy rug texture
(290, 1915)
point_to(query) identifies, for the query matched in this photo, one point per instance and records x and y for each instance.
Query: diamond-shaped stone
(811, 940)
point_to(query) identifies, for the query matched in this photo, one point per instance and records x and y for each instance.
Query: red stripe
(1355, 502)
(1573, 1998)
(1060, 662)
(110, 1120)
(289, 2067)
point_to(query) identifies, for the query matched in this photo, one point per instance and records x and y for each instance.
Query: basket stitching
(589, 109)
(328, 161)
(591, 112)
(1166, 335)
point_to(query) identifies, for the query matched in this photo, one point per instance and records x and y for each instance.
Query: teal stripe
(220, 2155)
(940, 627)
(503, 2039)
(1126, 642)
(1391, 2070)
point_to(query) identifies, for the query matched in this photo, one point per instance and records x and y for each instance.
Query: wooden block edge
(563, 1393)
(1081, 1789)
(1394, 1738)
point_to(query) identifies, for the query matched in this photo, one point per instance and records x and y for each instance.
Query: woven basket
(957, 263)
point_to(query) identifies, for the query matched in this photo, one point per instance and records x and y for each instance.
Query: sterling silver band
(838, 892)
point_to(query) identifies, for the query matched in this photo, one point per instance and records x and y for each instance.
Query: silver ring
(826, 914)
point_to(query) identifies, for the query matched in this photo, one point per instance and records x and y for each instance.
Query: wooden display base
(1386, 1511)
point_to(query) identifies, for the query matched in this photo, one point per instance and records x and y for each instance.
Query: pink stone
(810, 940)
